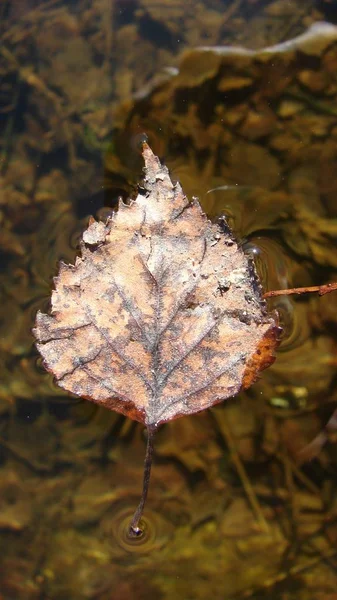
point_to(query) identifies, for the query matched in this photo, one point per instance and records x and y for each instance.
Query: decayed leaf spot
(162, 314)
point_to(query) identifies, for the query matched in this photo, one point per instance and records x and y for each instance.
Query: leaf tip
(152, 162)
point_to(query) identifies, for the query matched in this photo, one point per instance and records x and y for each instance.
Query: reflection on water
(253, 134)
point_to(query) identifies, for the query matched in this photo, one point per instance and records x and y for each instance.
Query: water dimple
(155, 531)
(271, 261)
(246, 214)
(239, 205)
(274, 268)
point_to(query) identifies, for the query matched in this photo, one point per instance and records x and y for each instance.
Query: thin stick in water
(320, 289)
(135, 530)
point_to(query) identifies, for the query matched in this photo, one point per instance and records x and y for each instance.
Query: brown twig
(320, 289)
(292, 572)
(248, 488)
(299, 474)
(28, 462)
(31, 18)
(231, 10)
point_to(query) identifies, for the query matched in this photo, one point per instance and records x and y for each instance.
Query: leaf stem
(134, 529)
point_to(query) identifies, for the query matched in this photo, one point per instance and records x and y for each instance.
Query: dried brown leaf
(162, 314)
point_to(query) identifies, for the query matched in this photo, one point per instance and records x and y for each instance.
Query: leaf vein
(201, 388)
(129, 362)
(188, 351)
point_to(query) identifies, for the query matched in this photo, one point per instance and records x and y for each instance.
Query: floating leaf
(162, 314)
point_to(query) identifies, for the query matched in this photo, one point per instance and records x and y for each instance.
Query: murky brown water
(235, 509)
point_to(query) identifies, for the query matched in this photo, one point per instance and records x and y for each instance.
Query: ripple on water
(156, 531)
(248, 212)
(275, 268)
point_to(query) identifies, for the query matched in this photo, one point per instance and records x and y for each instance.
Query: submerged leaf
(162, 314)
